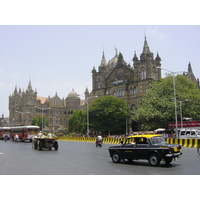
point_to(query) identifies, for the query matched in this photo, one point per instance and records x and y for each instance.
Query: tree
(108, 114)
(77, 122)
(39, 120)
(157, 108)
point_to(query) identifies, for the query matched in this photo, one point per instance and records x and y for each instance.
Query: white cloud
(154, 31)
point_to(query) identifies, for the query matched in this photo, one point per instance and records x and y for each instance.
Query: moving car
(151, 147)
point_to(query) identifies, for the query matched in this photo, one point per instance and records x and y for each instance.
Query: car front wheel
(115, 157)
(168, 161)
(198, 149)
(154, 160)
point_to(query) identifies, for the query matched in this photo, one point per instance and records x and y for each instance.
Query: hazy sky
(60, 58)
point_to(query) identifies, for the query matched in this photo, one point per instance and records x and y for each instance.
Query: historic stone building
(119, 79)
(129, 82)
(23, 106)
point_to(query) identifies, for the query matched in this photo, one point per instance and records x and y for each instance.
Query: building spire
(146, 49)
(116, 52)
(103, 61)
(15, 91)
(29, 88)
(189, 67)
(146, 53)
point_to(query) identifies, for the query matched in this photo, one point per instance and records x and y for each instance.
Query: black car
(150, 147)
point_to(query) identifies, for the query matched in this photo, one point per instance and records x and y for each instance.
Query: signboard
(184, 124)
(117, 82)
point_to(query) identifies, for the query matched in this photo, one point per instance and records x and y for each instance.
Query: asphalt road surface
(83, 158)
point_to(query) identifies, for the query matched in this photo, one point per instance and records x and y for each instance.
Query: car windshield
(157, 140)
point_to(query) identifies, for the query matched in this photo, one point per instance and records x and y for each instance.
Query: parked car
(151, 147)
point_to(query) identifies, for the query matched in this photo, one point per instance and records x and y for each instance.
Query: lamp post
(126, 122)
(175, 107)
(22, 113)
(42, 114)
(181, 114)
(88, 114)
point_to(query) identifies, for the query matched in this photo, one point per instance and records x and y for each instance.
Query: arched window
(131, 91)
(133, 107)
(31, 101)
(55, 102)
(143, 73)
(135, 90)
(122, 92)
(114, 93)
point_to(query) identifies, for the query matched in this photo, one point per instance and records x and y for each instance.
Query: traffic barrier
(192, 143)
(196, 143)
(105, 140)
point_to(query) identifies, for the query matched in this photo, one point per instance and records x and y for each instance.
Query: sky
(59, 58)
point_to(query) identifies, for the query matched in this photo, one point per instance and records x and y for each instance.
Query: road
(83, 158)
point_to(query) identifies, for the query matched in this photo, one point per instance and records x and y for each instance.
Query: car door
(128, 150)
(142, 148)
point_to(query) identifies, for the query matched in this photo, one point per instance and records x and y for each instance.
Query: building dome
(113, 62)
(73, 95)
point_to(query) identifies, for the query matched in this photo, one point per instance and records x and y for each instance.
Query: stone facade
(119, 79)
(23, 106)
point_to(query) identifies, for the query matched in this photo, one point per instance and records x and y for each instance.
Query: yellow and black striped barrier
(184, 142)
(193, 143)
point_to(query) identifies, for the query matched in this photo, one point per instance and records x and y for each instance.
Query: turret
(103, 63)
(86, 92)
(135, 59)
(146, 53)
(121, 59)
(29, 88)
(158, 59)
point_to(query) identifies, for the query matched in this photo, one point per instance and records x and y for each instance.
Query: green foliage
(38, 121)
(77, 122)
(108, 114)
(157, 108)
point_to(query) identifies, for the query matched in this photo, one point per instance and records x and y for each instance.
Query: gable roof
(42, 99)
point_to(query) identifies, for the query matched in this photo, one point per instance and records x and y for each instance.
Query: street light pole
(126, 126)
(22, 115)
(42, 114)
(87, 118)
(175, 107)
(126, 122)
(175, 103)
(88, 114)
(181, 114)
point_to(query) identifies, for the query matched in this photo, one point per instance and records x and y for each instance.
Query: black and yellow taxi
(151, 147)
